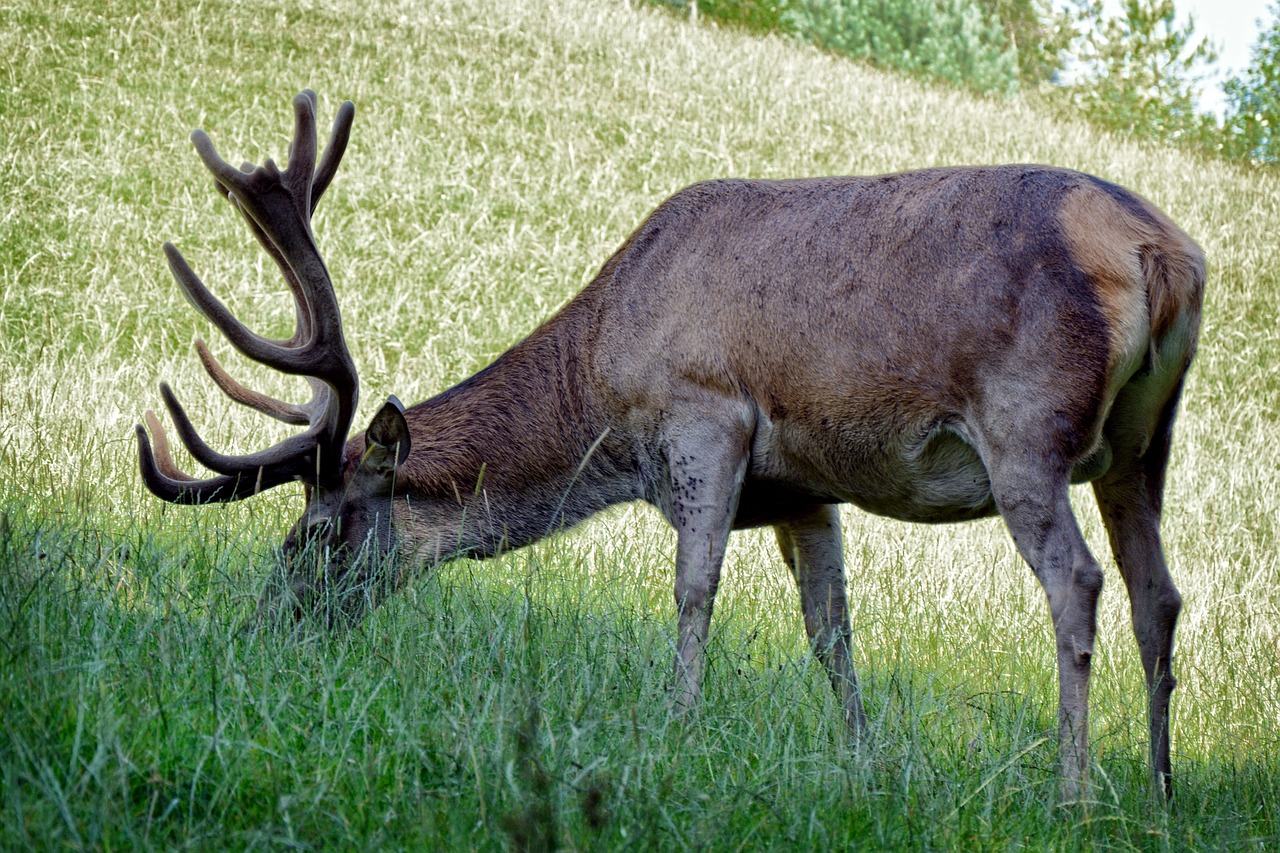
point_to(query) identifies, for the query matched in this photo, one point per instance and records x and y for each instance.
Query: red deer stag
(932, 346)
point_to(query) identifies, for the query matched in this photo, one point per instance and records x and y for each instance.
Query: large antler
(278, 206)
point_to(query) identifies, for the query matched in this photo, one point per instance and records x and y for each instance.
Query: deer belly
(941, 479)
(935, 477)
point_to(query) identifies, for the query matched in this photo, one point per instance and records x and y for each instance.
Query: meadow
(502, 149)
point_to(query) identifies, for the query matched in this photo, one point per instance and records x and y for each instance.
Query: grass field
(502, 149)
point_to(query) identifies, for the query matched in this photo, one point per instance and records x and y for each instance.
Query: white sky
(1232, 26)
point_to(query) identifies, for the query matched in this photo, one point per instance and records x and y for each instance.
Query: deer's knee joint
(694, 596)
(1168, 605)
(1087, 580)
(1164, 683)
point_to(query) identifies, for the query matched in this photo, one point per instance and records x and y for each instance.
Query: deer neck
(516, 452)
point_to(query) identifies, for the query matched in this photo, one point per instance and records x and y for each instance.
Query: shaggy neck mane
(518, 443)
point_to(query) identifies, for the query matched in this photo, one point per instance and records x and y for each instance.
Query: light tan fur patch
(1106, 243)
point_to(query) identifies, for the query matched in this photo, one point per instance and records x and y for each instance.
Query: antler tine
(302, 153)
(163, 478)
(333, 151)
(290, 456)
(289, 413)
(302, 319)
(163, 457)
(278, 355)
(166, 481)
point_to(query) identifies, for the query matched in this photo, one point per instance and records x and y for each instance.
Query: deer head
(349, 497)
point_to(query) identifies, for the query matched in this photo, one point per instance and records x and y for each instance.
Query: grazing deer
(933, 346)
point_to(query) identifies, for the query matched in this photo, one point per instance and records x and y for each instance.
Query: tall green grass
(501, 151)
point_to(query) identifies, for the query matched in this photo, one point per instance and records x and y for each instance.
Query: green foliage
(1253, 99)
(760, 15)
(1138, 73)
(1038, 31)
(953, 40)
(961, 41)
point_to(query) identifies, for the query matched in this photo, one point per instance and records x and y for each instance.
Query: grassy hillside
(501, 151)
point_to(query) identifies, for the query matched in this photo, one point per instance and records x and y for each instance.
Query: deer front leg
(813, 549)
(706, 463)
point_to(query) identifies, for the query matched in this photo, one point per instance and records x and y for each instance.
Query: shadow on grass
(510, 703)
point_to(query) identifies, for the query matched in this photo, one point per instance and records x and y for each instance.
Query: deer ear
(386, 439)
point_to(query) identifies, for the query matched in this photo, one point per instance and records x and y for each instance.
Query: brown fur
(933, 346)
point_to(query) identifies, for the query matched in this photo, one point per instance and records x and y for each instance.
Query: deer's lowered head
(475, 484)
(349, 499)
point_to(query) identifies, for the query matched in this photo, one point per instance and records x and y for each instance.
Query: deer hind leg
(813, 549)
(1130, 498)
(1036, 508)
(706, 461)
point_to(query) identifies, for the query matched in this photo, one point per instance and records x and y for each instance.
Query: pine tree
(1140, 72)
(1253, 100)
